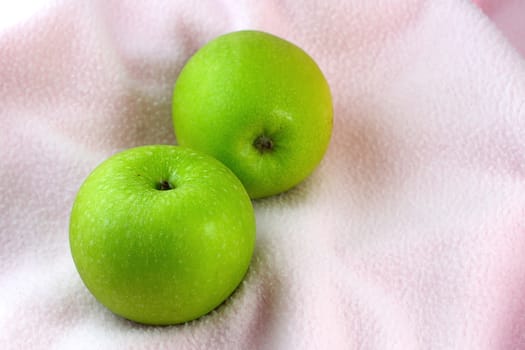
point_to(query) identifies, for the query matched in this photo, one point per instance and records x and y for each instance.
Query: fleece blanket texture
(409, 235)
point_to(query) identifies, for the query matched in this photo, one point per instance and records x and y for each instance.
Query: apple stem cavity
(263, 144)
(164, 185)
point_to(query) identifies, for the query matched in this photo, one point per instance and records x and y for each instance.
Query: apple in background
(257, 103)
(162, 234)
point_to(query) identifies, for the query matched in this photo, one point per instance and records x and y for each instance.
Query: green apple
(257, 103)
(162, 234)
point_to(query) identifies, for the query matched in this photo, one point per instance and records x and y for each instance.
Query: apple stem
(164, 185)
(263, 143)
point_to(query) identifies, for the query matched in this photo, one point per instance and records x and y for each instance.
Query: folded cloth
(508, 15)
(409, 235)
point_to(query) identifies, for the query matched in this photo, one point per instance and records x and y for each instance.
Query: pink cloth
(509, 16)
(410, 235)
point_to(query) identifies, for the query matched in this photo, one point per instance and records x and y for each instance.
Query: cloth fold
(409, 235)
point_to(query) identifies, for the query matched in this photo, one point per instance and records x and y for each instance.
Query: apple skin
(249, 88)
(157, 255)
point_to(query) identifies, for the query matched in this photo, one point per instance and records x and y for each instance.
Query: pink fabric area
(509, 17)
(409, 235)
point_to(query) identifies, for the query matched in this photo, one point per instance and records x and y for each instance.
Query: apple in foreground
(259, 104)
(162, 234)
